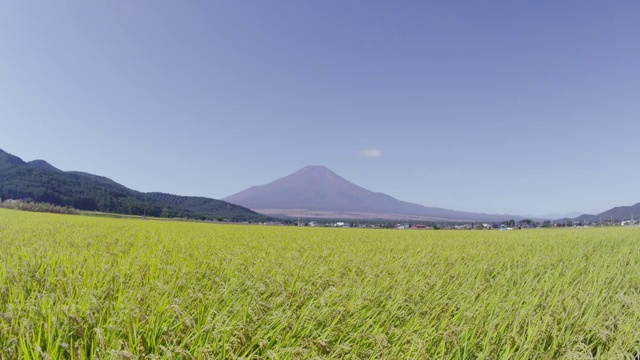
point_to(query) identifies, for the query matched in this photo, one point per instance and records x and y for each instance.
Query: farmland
(82, 287)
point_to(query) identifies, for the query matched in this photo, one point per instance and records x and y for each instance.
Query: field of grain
(77, 287)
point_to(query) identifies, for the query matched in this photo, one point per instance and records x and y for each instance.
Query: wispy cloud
(371, 153)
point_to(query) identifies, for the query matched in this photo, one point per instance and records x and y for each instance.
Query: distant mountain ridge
(43, 182)
(318, 190)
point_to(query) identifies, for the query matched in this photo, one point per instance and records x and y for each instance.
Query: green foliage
(81, 287)
(39, 207)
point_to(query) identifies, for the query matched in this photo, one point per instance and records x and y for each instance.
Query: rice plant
(76, 287)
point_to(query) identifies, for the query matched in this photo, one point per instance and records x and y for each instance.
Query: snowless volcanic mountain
(317, 192)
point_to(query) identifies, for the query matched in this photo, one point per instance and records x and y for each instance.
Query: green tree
(527, 222)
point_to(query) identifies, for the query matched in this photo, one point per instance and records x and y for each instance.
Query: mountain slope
(203, 205)
(316, 189)
(41, 164)
(42, 182)
(617, 213)
(583, 217)
(622, 212)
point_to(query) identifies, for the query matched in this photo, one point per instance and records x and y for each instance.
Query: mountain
(617, 213)
(316, 191)
(42, 182)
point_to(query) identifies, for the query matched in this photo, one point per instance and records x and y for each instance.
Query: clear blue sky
(493, 106)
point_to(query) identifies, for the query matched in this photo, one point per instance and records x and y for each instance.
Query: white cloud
(371, 153)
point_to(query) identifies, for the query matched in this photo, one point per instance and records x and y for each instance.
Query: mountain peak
(6, 158)
(313, 176)
(316, 169)
(319, 167)
(41, 164)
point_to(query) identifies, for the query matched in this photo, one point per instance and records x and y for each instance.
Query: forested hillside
(41, 182)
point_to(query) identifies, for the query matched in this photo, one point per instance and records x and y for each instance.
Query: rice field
(76, 287)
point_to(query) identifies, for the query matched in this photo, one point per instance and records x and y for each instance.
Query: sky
(525, 108)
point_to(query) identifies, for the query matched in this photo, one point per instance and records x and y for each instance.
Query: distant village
(505, 225)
